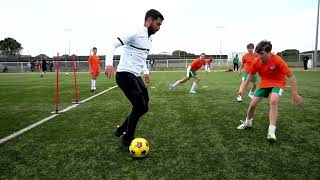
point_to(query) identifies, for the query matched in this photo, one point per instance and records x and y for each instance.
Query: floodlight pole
(316, 48)
(220, 49)
(69, 47)
(220, 28)
(69, 42)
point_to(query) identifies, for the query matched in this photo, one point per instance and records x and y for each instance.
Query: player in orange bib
(94, 67)
(273, 72)
(192, 73)
(247, 60)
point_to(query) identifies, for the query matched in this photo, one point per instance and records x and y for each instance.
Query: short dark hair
(94, 48)
(263, 46)
(250, 45)
(202, 54)
(154, 14)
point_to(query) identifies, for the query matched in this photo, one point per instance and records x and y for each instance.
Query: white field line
(89, 98)
(15, 134)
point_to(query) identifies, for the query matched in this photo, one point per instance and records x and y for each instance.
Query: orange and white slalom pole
(75, 79)
(57, 83)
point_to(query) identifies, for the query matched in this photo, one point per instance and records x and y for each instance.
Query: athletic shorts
(254, 79)
(265, 92)
(192, 74)
(94, 72)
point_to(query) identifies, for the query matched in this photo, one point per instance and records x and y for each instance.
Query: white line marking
(68, 108)
(15, 134)
(85, 100)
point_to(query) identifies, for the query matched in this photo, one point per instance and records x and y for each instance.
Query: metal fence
(82, 66)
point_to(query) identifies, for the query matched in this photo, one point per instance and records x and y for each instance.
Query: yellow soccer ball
(139, 148)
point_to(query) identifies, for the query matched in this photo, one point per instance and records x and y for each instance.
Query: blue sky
(47, 26)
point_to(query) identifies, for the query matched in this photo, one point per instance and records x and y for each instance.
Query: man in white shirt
(128, 77)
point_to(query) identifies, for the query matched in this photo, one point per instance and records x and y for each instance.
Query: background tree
(182, 53)
(10, 46)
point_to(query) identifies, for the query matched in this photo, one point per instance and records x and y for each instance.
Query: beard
(151, 31)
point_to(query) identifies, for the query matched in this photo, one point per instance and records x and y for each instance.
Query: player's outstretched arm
(109, 58)
(146, 74)
(188, 70)
(206, 67)
(240, 68)
(294, 91)
(243, 87)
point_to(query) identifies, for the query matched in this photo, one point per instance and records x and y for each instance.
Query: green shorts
(265, 92)
(192, 74)
(254, 79)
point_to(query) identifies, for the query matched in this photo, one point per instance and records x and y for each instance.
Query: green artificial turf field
(191, 135)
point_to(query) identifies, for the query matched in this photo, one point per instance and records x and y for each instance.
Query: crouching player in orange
(273, 72)
(94, 67)
(192, 73)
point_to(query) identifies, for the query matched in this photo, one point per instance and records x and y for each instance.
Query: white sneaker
(271, 136)
(251, 94)
(192, 92)
(244, 125)
(170, 86)
(239, 98)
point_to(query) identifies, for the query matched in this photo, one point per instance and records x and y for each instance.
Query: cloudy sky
(47, 26)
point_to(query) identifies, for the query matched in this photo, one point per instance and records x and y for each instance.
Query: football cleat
(170, 86)
(117, 132)
(244, 125)
(271, 136)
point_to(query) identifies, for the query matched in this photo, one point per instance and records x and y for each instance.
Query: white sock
(249, 121)
(94, 84)
(272, 128)
(176, 84)
(92, 81)
(194, 86)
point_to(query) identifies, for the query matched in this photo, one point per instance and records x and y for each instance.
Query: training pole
(57, 83)
(75, 78)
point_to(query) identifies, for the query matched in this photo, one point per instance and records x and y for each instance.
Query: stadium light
(68, 30)
(220, 28)
(316, 48)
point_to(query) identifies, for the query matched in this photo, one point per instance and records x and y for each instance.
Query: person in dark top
(305, 62)
(152, 64)
(32, 66)
(50, 66)
(43, 67)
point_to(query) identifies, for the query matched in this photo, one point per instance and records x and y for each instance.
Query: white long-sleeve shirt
(136, 49)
